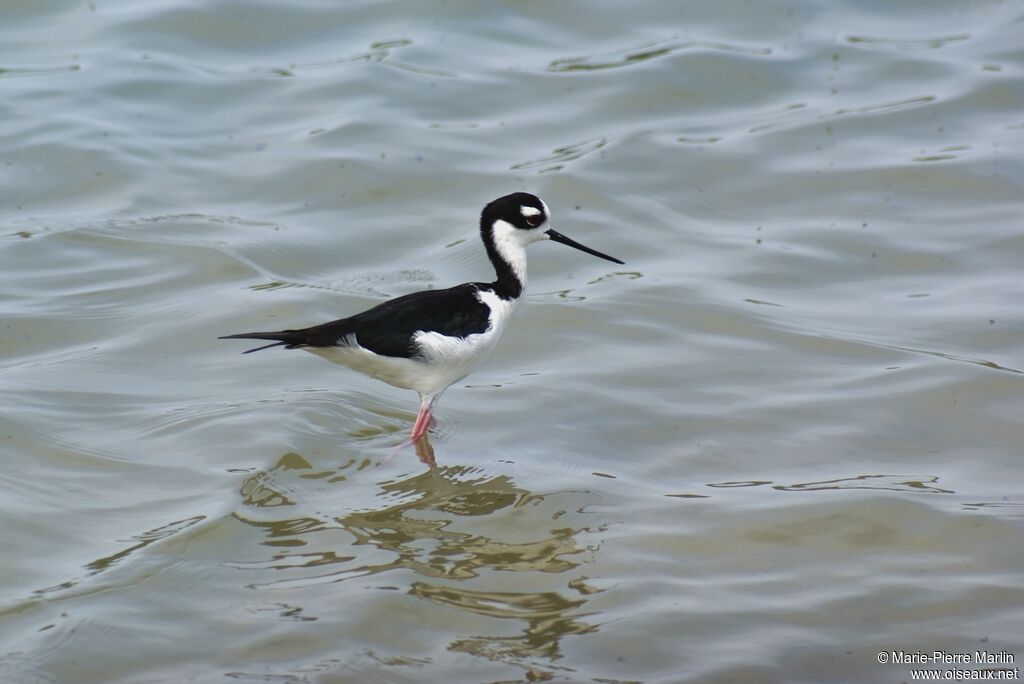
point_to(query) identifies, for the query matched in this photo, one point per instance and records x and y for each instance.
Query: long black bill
(558, 237)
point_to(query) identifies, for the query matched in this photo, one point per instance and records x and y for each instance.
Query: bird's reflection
(447, 523)
(425, 452)
(547, 617)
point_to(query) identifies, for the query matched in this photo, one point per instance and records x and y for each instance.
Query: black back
(388, 328)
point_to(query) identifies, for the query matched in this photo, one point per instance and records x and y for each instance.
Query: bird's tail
(289, 339)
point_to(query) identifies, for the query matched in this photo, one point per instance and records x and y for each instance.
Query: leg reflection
(425, 452)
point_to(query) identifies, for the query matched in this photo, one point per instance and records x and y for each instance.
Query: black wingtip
(276, 337)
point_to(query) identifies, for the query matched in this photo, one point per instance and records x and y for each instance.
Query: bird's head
(522, 218)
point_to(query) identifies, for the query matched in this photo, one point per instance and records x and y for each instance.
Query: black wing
(388, 328)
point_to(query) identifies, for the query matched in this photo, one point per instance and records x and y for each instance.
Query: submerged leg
(423, 418)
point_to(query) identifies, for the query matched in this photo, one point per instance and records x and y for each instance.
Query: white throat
(510, 244)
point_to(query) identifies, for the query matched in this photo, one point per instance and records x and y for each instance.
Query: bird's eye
(534, 221)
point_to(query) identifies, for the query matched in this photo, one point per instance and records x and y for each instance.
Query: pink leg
(423, 418)
(419, 428)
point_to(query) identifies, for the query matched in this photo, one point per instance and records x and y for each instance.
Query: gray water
(783, 438)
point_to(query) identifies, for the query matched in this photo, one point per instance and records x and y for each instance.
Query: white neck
(510, 248)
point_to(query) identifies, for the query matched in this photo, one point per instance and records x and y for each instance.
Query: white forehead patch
(528, 211)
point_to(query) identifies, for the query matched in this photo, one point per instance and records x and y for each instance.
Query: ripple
(937, 354)
(549, 618)
(263, 611)
(415, 529)
(848, 111)
(927, 43)
(379, 52)
(643, 53)
(359, 284)
(1015, 507)
(691, 140)
(141, 542)
(21, 72)
(893, 483)
(561, 155)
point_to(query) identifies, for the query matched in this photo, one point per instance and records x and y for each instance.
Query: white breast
(453, 358)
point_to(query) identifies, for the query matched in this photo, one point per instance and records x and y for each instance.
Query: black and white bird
(428, 340)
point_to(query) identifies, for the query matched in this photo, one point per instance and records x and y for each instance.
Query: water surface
(784, 437)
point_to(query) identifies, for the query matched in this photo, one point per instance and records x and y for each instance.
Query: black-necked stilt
(425, 341)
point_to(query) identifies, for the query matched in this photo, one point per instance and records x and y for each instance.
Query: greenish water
(783, 438)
